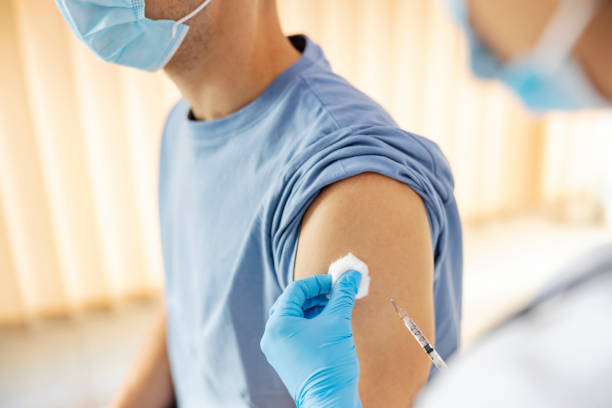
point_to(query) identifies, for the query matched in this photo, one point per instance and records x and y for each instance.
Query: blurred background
(80, 259)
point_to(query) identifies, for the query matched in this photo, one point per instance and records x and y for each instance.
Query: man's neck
(233, 72)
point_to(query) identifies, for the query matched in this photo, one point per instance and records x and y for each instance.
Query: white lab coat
(555, 353)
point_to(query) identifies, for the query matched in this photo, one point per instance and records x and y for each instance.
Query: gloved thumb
(343, 294)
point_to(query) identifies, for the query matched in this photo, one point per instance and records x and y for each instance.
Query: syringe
(419, 336)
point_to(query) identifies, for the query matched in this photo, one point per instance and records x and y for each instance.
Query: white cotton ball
(347, 263)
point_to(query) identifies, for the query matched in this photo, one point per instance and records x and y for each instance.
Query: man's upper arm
(384, 223)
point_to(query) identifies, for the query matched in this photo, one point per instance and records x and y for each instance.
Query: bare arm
(510, 27)
(149, 383)
(383, 222)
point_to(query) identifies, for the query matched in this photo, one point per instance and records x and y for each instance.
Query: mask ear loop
(188, 16)
(561, 34)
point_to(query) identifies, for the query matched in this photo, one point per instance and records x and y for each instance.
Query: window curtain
(79, 144)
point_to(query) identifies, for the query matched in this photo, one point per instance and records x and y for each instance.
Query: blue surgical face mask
(548, 77)
(117, 31)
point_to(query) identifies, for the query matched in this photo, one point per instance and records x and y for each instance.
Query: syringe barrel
(416, 332)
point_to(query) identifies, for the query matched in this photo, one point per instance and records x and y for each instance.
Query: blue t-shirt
(232, 195)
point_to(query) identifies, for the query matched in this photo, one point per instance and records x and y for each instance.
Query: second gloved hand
(315, 357)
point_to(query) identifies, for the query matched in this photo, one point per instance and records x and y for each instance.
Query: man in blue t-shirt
(554, 56)
(268, 145)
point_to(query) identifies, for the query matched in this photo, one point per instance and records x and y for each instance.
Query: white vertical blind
(30, 277)
(79, 142)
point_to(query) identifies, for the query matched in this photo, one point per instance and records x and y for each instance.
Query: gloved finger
(274, 306)
(320, 300)
(343, 294)
(313, 312)
(291, 301)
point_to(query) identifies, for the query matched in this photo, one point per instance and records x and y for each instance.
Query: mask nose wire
(188, 16)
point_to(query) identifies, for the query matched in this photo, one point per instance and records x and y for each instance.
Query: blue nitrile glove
(315, 355)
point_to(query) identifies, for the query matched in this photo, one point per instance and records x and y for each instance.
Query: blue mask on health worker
(117, 31)
(548, 76)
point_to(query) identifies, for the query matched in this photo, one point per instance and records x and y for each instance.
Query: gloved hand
(315, 356)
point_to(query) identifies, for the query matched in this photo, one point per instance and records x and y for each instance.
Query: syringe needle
(397, 308)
